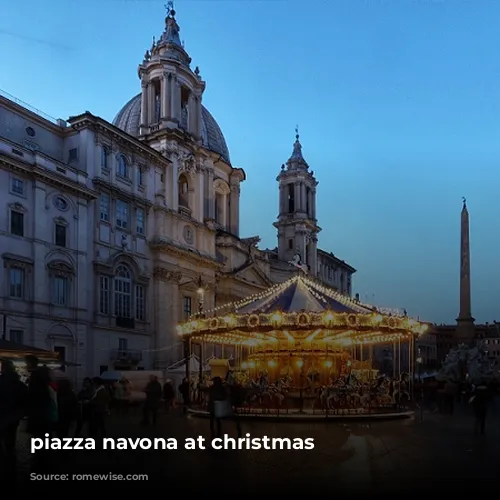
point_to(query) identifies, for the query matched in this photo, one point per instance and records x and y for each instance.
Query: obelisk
(465, 332)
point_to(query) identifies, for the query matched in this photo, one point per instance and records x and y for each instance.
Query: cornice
(48, 177)
(182, 217)
(121, 193)
(163, 273)
(190, 255)
(98, 125)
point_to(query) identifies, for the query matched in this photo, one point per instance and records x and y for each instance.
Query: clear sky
(398, 105)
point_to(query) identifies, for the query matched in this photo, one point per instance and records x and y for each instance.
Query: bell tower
(171, 92)
(297, 224)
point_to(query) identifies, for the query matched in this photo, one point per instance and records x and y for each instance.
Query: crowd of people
(51, 407)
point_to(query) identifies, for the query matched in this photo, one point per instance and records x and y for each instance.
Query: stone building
(113, 232)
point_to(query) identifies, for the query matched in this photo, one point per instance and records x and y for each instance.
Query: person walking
(480, 401)
(153, 399)
(220, 407)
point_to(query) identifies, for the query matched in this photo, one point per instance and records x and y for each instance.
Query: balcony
(126, 356)
(125, 323)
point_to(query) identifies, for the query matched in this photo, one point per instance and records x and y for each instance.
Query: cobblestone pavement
(440, 450)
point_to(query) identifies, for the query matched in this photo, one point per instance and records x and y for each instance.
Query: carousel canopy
(299, 309)
(299, 294)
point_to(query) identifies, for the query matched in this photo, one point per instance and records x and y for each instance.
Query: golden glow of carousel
(301, 346)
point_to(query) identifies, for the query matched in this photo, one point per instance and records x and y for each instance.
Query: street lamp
(419, 363)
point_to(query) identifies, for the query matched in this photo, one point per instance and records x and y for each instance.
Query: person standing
(67, 404)
(184, 390)
(168, 395)
(99, 407)
(13, 397)
(153, 399)
(84, 397)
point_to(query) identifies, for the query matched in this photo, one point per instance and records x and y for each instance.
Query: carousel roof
(299, 293)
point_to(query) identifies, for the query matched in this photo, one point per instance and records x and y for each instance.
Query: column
(282, 206)
(234, 206)
(310, 202)
(313, 203)
(198, 116)
(297, 197)
(200, 197)
(174, 182)
(211, 200)
(191, 115)
(42, 226)
(176, 100)
(144, 109)
(165, 98)
(166, 298)
(151, 103)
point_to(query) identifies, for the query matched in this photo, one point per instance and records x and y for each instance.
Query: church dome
(129, 116)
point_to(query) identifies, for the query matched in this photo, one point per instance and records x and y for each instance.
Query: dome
(211, 135)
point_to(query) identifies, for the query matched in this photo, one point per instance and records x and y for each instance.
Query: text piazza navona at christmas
(112, 233)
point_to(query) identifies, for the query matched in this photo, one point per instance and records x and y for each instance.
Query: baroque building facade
(111, 233)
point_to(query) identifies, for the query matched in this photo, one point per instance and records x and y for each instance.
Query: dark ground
(441, 452)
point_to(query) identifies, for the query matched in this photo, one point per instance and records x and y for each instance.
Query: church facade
(111, 233)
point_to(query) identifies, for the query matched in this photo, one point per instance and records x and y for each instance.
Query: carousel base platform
(305, 415)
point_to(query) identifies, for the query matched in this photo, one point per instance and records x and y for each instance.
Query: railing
(12, 98)
(128, 355)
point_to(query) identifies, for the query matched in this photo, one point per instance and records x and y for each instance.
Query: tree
(466, 363)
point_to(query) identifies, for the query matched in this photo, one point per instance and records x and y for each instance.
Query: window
(140, 180)
(219, 208)
(17, 336)
(308, 196)
(140, 303)
(139, 215)
(104, 295)
(290, 244)
(61, 351)
(60, 235)
(16, 282)
(73, 155)
(123, 292)
(60, 290)
(121, 214)
(104, 207)
(187, 307)
(291, 198)
(17, 186)
(122, 166)
(17, 223)
(183, 192)
(105, 158)
(123, 344)
(60, 203)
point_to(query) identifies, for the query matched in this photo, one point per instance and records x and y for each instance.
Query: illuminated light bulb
(271, 363)
(328, 364)
(244, 365)
(300, 363)
(251, 364)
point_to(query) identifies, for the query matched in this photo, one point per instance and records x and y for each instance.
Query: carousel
(300, 348)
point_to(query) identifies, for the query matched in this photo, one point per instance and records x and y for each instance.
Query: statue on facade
(297, 262)
(124, 242)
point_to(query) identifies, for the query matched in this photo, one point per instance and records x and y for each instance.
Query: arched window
(122, 166)
(123, 292)
(104, 157)
(183, 191)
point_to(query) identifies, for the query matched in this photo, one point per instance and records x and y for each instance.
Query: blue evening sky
(398, 105)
